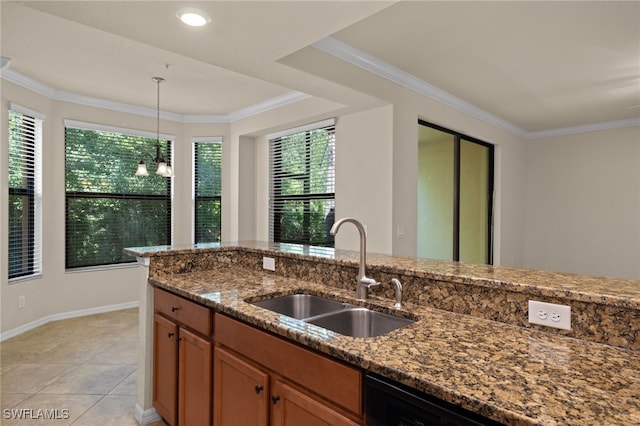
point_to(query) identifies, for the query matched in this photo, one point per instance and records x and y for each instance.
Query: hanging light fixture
(164, 167)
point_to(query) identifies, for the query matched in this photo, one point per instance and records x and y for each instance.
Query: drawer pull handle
(275, 399)
(170, 335)
(259, 388)
(174, 308)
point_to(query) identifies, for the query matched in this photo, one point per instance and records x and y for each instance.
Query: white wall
(364, 177)
(247, 189)
(583, 203)
(508, 173)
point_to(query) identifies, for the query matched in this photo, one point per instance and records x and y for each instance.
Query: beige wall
(583, 203)
(364, 177)
(58, 293)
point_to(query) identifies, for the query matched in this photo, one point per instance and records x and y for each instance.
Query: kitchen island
(471, 344)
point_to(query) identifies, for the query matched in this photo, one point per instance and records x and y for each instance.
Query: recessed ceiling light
(193, 17)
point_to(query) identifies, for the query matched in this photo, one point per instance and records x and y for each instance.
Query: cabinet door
(165, 368)
(291, 407)
(241, 391)
(194, 380)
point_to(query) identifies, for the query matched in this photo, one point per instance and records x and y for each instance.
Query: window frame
(275, 189)
(32, 190)
(195, 197)
(76, 195)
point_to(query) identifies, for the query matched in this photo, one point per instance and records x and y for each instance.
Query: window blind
(207, 188)
(302, 185)
(108, 208)
(25, 193)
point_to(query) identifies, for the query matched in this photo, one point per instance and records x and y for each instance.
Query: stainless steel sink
(360, 322)
(301, 306)
(343, 318)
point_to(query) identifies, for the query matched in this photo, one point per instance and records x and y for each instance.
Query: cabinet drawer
(184, 311)
(330, 379)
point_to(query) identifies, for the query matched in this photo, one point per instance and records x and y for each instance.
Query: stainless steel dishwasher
(388, 403)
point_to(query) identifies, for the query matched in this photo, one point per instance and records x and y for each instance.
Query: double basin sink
(343, 318)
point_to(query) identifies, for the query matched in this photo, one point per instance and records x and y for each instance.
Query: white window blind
(108, 208)
(302, 185)
(25, 193)
(207, 189)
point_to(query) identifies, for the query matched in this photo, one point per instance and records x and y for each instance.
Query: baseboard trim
(66, 315)
(144, 417)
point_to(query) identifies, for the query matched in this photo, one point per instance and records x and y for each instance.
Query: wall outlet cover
(550, 314)
(269, 263)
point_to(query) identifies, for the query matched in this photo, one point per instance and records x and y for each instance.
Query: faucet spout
(364, 282)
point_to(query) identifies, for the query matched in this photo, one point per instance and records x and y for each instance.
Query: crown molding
(595, 127)
(361, 59)
(4, 62)
(65, 96)
(28, 83)
(269, 104)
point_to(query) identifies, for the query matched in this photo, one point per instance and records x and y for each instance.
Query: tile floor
(85, 368)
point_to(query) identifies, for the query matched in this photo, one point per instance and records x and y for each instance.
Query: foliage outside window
(207, 166)
(108, 208)
(302, 168)
(25, 194)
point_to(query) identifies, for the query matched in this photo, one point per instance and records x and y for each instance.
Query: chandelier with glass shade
(164, 167)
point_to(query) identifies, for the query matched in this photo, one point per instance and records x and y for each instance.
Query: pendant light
(164, 167)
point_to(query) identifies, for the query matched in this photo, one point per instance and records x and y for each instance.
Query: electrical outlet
(550, 314)
(269, 263)
(22, 302)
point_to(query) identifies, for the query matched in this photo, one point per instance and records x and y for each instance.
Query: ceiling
(535, 65)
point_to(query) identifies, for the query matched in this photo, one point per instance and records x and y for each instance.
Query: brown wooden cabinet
(182, 357)
(165, 368)
(241, 391)
(291, 406)
(261, 379)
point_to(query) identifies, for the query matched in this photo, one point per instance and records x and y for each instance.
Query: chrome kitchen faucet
(364, 282)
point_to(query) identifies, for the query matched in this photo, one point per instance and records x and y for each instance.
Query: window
(108, 208)
(207, 189)
(302, 185)
(25, 192)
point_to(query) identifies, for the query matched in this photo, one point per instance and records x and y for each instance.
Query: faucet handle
(369, 282)
(396, 282)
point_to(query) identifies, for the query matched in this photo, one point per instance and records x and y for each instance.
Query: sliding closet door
(455, 186)
(435, 193)
(475, 202)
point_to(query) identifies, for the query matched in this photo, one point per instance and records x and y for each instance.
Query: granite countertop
(511, 374)
(602, 290)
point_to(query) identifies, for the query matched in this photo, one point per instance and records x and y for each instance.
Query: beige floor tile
(76, 351)
(10, 400)
(117, 353)
(26, 346)
(32, 378)
(48, 409)
(111, 410)
(127, 387)
(90, 379)
(8, 363)
(85, 365)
